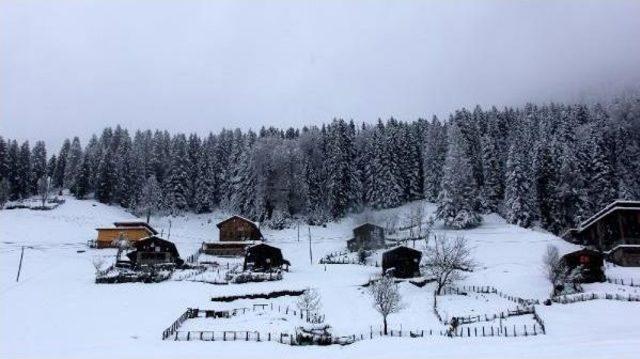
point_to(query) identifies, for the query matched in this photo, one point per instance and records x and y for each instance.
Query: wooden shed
(591, 262)
(226, 249)
(616, 224)
(625, 255)
(264, 257)
(403, 261)
(367, 236)
(131, 231)
(236, 228)
(153, 251)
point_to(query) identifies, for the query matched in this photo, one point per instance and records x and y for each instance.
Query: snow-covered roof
(613, 206)
(236, 216)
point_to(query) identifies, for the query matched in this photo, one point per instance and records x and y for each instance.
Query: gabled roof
(170, 246)
(403, 249)
(239, 217)
(583, 251)
(613, 206)
(127, 224)
(367, 224)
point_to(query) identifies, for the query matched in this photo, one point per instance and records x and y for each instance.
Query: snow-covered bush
(314, 334)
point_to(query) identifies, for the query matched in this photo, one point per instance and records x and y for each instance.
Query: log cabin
(367, 236)
(132, 231)
(401, 262)
(236, 234)
(262, 257)
(154, 250)
(236, 229)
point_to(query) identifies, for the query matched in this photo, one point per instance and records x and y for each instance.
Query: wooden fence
(620, 281)
(489, 290)
(174, 333)
(567, 299)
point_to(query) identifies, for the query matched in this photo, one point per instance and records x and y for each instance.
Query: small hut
(404, 261)
(264, 257)
(366, 236)
(153, 251)
(237, 229)
(591, 262)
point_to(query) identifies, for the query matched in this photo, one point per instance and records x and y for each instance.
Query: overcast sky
(73, 67)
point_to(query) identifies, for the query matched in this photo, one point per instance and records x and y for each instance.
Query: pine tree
(434, 154)
(106, 178)
(546, 178)
(82, 179)
(518, 205)
(38, 164)
(61, 162)
(457, 200)
(176, 186)
(150, 199)
(74, 158)
(13, 173)
(24, 172)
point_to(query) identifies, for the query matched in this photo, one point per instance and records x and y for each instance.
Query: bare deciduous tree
(43, 189)
(447, 261)
(309, 301)
(552, 265)
(386, 298)
(123, 244)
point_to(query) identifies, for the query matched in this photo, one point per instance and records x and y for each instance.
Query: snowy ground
(56, 310)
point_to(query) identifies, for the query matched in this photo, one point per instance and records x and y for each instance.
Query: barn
(130, 230)
(366, 236)
(153, 251)
(591, 261)
(616, 224)
(404, 261)
(264, 257)
(236, 229)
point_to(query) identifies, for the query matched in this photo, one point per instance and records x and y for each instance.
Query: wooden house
(236, 229)
(367, 236)
(154, 251)
(591, 262)
(626, 255)
(264, 257)
(236, 235)
(615, 225)
(404, 262)
(132, 231)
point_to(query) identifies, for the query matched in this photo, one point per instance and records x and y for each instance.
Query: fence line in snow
(567, 299)
(621, 281)
(192, 313)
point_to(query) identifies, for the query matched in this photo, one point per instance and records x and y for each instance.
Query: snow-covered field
(56, 310)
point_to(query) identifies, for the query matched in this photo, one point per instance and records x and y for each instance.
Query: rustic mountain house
(618, 224)
(153, 251)
(130, 230)
(591, 262)
(404, 262)
(366, 236)
(236, 235)
(264, 257)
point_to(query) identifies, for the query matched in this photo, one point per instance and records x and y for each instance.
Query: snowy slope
(57, 311)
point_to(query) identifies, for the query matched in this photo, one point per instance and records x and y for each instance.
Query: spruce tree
(458, 198)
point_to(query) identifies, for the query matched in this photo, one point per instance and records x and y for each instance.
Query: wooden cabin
(154, 251)
(591, 262)
(626, 255)
(367, 236)
(132, 231)
(237, 229)
(616, 224)
(264, 257)
(404, 262)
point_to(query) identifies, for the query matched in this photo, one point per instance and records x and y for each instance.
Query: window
(584, 259)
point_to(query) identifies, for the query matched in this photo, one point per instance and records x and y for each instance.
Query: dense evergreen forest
(550, 165)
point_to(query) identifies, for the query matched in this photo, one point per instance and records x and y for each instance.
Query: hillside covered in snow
(56, 310)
